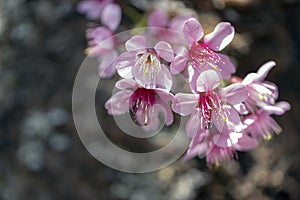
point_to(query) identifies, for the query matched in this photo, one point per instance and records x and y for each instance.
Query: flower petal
(184, 104)
(177, 23)
(126, 84)
(107, 67)
(165, 95)
(208, 80)
(198, 149)
(167, 111)
(193, 29)
(284, 105)
(234, 93)
(111, 16)
(221, 36)
(178, 64)
(124, 64)
(164, 50)
(195, 124)
(158, 18)
(241, 108)
(136, 43)
(277, 109)
(264, 70)
(91, 9)
(225, 66)
(246, 143)
(119, 103)
(162, 80)
(222, 140)
(250, 78)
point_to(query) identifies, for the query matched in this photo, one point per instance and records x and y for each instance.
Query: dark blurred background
(42, 45)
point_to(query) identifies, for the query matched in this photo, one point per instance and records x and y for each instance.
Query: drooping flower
(144, 105)
(219, 146)
(208, 105)
(261, 93)
(146, 65)
(261, 125)
(102, 44)
(106, 10)
(201, 52)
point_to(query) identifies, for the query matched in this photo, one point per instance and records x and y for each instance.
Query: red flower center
(140, 102)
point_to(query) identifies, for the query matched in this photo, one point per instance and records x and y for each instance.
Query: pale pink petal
(193, 75)
(100, 41)
(222, 140)
(273, 109)
(217, 120)
(178, 64)
(278, 109)
(167, 111)
(98, 34)
(193, 29)
(264, 70)
(107, 65)
(199, 138)
(208, 80)
(136, 43)
(246, 143)
(195, 124)
(272, 87)
(111, 16)
(165, 95)
(231, 115)
(119, 103)
(241, 108)
(126, 84)
(220, 37)
(162, 80)
(249, 78)
(284, 105)
(177, 22)
(124, 64)
(225, 66)
(184, 104)
(235, 93)
(91, 9)
(154, 122)
(198, 149)
(158, 18)
(164, 50)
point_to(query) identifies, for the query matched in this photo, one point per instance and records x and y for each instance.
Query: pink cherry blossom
(106, 10)
(261, 125)
(208, 105)
(262, 93)
(201, 52)
(144, 105)
(219, 146)
(146, 65)
(161, 19)
(102, 44)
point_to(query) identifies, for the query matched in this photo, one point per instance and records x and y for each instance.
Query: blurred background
(42, 45)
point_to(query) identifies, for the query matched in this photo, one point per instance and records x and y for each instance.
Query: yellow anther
(261, 97)
(269, 137)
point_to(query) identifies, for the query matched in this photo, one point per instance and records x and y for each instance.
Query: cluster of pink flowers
(226, 113)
